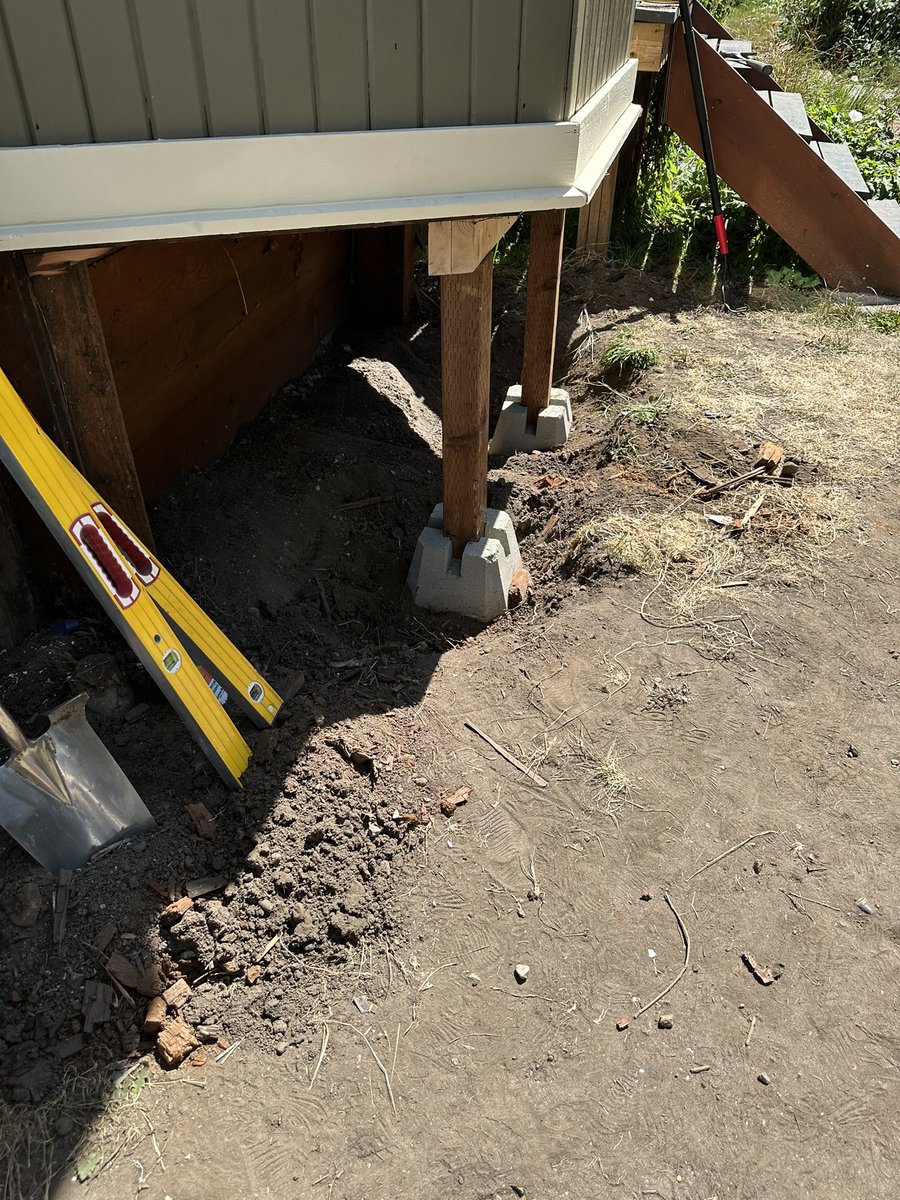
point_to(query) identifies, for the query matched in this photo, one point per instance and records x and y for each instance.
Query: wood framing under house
(174, 262)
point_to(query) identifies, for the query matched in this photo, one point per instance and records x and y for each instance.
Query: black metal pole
(690, 46)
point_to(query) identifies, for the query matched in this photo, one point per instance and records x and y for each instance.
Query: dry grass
(820, 383)
(108, 1111)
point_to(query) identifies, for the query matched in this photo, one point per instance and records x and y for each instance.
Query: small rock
(864, 906)
(420, 781)
(764, 1079)
(852, 751)
(520, 1191)
(666, 1021)
(474, 980)
(622, 1024)
(136, 712)
(279, 1026)
(646, 896)
(895, 762)
(280, 1048)
(63, 1126)
(521, 971)
(757, 867)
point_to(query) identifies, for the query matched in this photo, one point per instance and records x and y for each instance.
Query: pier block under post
(549, 432)
(474, 585)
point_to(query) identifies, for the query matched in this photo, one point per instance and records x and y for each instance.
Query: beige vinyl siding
(76, 71)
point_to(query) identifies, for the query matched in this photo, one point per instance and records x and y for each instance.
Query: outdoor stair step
(730, 45)
(889, 211)
(789, 106)
(842, 162)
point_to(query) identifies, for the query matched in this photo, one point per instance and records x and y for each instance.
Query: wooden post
(465, 400)
(70, 345)
(595, 219)
(542, 304)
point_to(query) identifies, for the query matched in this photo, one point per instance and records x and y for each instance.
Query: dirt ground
(711, 712)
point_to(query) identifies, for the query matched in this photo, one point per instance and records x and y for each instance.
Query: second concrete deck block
(551, 431)
(476, 585)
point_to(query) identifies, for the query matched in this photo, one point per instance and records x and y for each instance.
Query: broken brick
(175, 911)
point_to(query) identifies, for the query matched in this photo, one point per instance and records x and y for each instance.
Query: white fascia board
(54, 196)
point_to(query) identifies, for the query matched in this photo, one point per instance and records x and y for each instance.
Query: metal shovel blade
(65, 797)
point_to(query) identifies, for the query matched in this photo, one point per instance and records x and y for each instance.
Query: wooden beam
(54, 262)
(541, 308)
(457, 247)
(71, 348)
(595, 219)
(465, 400)
(650, 44)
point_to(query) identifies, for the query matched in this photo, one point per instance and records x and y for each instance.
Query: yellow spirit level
(166, 628)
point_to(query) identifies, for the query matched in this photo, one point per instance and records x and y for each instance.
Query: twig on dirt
(687, 958)
(228, 1051)
(526, 995)
(809, 900)
(321, 1058)
(731, 849)
(520, 766)
(381, 1067)
(750, 1031)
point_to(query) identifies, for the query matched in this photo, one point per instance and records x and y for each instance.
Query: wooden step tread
(842, 162)
(789, 106)
(889, 211)
(730, 45)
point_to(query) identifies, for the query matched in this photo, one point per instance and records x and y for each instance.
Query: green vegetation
(623, 359)
(844, 57)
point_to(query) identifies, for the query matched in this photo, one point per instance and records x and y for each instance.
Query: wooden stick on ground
(687, 958)
(731, 849)
(520, 766)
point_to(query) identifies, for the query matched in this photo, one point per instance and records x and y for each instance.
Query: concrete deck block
(550, 432)
(476, 585)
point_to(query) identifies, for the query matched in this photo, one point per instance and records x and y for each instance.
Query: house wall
(75, 71)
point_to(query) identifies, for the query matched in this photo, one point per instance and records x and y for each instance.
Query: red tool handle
(93, 540)
(719, 222)
(127, 545)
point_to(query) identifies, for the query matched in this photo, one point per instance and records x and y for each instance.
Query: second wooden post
(542, 305)
(465, 400)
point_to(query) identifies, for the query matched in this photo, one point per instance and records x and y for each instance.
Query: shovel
(63, 796)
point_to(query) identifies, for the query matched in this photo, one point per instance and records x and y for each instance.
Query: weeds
(623, 360)
(640, 415)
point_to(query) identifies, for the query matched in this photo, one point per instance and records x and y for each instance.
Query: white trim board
(54, 196)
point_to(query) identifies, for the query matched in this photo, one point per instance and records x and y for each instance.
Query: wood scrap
(173, 912)
(175, 1042)
(178, 994)
(741, 524)
(96, 1006)
(201, 819)
(548, 528)
(549, 480)
(520, 766)
(520, 587)
(155, 1017)
(61, 905)
(105, 936)
(204, 885)
(451, 803)
(769, 457)
(726, 485)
